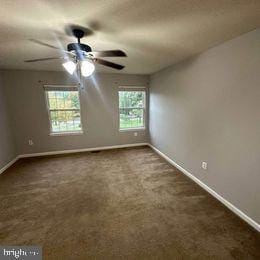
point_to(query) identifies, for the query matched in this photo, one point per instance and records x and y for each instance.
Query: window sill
(132, 129)
(67, 133)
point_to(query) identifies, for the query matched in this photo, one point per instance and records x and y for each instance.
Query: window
(131, 109)
(64, 109)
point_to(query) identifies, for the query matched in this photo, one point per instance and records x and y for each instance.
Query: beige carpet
(117, 204)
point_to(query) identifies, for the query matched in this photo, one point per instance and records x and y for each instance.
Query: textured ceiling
(154, 33)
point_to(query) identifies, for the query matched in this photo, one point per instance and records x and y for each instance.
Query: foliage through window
(64, 111)
(131, 109)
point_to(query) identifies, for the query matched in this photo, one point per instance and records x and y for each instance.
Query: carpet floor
(117, 204)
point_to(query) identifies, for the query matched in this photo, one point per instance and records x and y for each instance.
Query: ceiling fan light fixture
(80, 57)
(87, 68)
(70, 66)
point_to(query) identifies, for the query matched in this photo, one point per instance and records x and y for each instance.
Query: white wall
(7, 140)
(99, 109)
(208, 109)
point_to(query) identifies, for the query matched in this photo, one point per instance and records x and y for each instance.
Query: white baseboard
(237, 211)
(9, 164)
(82, 150)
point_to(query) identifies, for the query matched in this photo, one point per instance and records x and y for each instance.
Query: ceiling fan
(81, 56)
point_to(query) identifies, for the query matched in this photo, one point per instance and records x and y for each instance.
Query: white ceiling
(153, 33)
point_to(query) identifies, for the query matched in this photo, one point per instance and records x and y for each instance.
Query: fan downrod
(78, 33)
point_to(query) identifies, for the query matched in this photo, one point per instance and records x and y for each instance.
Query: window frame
(133, 88)
(62, 88)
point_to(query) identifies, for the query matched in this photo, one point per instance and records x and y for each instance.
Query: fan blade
(109, 64)
(110, 53)
(44, 44)
(43, 59)
(50, 46)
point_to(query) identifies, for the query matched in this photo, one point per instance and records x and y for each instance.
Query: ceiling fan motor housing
(77, 47)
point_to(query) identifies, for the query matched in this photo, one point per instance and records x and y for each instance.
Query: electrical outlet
(30, 142)
(204, 165)
(135, 133)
